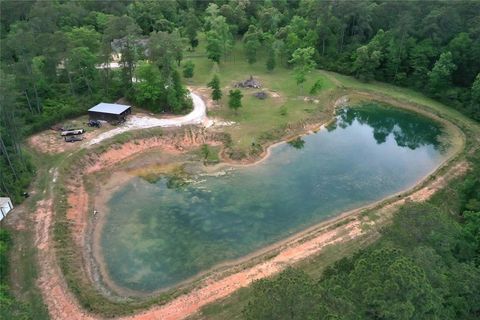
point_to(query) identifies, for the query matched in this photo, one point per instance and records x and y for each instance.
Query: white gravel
(197, 116)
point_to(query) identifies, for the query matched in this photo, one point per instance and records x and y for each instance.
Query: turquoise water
(157, 235)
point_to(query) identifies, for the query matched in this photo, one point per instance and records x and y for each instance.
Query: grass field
(257, 119)
(231, 307)
(255, 122)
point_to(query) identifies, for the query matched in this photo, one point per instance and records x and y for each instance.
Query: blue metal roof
(111, 108)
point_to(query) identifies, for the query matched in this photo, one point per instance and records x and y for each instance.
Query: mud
(60, 301)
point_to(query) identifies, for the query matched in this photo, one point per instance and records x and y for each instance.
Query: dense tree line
(55, 63)
(52, 52)
(425, 266)
(433, 47)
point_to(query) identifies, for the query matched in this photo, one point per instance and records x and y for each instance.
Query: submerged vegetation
(58, 58)
(201, 221)
(425, 265)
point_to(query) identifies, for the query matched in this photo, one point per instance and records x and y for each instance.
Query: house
(5, 207)
(110, 112)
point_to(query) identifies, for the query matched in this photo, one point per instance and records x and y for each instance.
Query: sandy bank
(308, 243)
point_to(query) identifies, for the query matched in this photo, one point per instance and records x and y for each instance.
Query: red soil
(62, 305)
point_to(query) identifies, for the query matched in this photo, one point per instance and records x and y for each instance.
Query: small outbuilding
(110, 112)
(5, 207)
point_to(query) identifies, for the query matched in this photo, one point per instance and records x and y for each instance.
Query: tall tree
(475, 98)
(81, 65)
(165, 49)
(191, 27)
(369, 57)
(235, 100)
(126, 30)
(439, 79)
(214, 46)
(302, 59)
(271, 61)
(251, 43)
(188, 69)
(220, 31)
(214, 84)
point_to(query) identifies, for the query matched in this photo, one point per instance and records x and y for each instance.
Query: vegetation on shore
(49, 59)
(45, 84)
(454, 211)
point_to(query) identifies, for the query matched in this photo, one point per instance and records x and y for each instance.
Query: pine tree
(215, 86)
(188, 69)
(271, 62)
(235, 99)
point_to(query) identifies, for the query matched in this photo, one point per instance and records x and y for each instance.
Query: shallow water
(159, 234)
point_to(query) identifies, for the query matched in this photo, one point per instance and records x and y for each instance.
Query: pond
(159, 234)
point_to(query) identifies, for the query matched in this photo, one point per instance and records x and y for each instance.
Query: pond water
(159, 234)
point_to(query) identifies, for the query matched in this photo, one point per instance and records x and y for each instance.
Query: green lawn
(285, 105)
(232, 306)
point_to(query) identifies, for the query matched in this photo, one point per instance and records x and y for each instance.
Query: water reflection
(158, 234)
(408, 129)
(297, 143)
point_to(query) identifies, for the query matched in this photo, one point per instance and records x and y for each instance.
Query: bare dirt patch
(78, 210)
(308, 244)
(62, 305)
(50, 141)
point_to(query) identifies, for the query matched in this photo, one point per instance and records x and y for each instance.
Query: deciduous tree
(191, 27)
(302, 59)
(251, 43)
(439, 79)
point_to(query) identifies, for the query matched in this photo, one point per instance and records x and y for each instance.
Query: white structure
(5, 207)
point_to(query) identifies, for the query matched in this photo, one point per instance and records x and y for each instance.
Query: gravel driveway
(197, 116)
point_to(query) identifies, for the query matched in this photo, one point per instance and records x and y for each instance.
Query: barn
(110, 112)
(5, 207)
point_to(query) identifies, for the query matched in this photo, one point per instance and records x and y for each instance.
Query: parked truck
(72, 132)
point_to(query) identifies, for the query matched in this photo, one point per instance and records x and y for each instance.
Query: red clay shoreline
(101, 197)
(63, 305)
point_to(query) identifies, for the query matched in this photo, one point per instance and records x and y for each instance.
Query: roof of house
(111, 108)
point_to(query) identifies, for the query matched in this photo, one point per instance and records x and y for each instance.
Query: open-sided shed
(109, 112)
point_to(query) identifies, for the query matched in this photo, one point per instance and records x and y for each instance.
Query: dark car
(94, 123)
(73, 138)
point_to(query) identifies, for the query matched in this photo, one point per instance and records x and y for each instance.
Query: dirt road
(197, 116)
(62, 304)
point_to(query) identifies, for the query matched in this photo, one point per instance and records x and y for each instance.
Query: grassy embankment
(22, 271)
(231, 307)
(261, 121)
(258, 120)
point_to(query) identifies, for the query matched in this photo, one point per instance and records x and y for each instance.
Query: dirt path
(62, 305)
(191, 303)
(57, 297)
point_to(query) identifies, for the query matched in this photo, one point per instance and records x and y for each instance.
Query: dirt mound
(249, 83)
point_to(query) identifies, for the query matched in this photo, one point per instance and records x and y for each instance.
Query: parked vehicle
(72, 132)
(94, 123)
(73, 138)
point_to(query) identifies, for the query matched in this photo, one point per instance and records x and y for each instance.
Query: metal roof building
(109, 112)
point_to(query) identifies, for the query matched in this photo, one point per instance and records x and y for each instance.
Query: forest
(51, 51)
(425, 266)
(56, 60)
